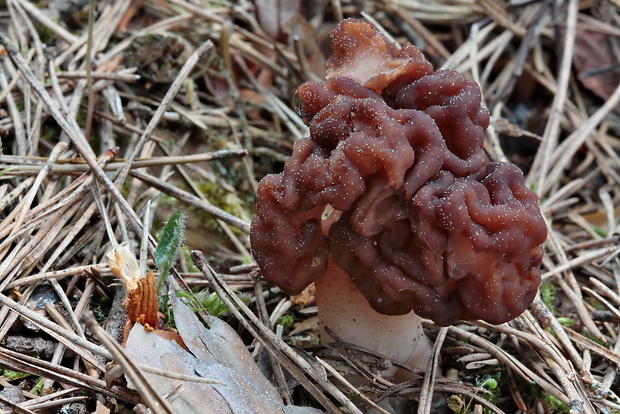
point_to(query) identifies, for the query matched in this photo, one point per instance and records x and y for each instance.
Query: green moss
(593, 338)
(568, 322)
(534, 394)
(554, 405)
(548, 294)
(287, 321)
(488, 386)
(227, 201)
(81, 115)
(46, 35)
(187, 253)
(212, 303)
(209, 302)
(597, 305)
(49, 134)
(11, 375)
(36, 390)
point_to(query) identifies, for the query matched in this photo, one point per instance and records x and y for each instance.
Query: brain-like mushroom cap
(393, 183)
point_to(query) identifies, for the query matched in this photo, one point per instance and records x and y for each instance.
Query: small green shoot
(599, 230)
(489, 383)
(7, 169)
(168, 245)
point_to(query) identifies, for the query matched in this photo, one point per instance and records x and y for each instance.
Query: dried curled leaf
(124, 265)
(141, 301)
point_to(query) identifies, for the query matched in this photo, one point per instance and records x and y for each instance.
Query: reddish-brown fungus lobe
(393, 184)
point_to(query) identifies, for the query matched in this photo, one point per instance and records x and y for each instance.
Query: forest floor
(118, 119)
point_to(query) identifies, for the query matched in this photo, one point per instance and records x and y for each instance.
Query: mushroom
(391, 206)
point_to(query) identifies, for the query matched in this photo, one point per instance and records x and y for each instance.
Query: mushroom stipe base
(344, 310)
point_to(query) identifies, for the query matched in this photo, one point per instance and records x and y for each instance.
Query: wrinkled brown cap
(393, 183)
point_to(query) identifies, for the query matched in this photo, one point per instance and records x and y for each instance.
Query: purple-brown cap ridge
(421, 219)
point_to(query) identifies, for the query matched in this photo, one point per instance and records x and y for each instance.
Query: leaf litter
(224, 114)
(213, 352)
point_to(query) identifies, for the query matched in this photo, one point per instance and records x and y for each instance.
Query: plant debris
(113, 115)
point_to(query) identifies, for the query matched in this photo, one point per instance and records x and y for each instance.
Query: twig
(286, 355)
(125, 75)
(74, 134)
(426, 394)
(26, 203)
(89, 68)
(541, 164)
(565, 151)
(174, 88)
(192, 200)
(57, 275)
(49, 326)
(133, 372)
(23, 363)
(47, 22)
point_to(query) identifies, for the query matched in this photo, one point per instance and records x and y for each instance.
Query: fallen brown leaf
(216, 353)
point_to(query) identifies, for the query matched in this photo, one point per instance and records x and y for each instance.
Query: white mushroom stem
(345, 310)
